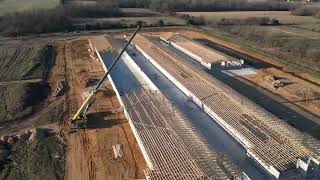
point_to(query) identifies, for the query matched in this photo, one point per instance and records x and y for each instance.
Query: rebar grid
(176, 149)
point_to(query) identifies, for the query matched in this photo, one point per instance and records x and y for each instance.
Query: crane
(79, 120)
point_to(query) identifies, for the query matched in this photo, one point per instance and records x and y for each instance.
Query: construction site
(170, 104)
(148, 105)
(160, 90)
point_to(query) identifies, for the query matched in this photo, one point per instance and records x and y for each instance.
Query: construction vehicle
(79, 120)
(281, 83)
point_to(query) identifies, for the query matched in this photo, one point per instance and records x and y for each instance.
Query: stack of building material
(117, 151)
(58, 89)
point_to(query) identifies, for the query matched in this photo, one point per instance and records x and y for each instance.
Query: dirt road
(5, 83)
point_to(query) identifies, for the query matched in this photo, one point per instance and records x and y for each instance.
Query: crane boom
(80, 115)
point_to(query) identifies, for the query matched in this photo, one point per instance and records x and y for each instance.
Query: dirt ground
(89, 152)
(299, 92)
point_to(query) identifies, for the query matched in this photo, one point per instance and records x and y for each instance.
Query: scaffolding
(174, 146)
(271, 142)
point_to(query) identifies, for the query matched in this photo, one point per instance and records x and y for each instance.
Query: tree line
(60, 19)
(206, 5)
(52, 20)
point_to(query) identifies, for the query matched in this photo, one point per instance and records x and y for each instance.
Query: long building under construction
(207, 57)
(271, 143)
(172, 147)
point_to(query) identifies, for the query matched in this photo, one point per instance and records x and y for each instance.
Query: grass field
(10, 6)
(139, 12)
(12, 105)
(24, 62)
(292, 25)
(284, 17)
(18, 63)
(277, 52)
(293, 31)
(278, 41)
(37, 160)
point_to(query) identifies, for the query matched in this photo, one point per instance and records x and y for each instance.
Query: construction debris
(59, 89)
(13, 139)
(117, 151)
(36, 133)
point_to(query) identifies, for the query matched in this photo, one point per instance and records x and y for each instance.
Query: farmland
(283, 16)
(10, 6)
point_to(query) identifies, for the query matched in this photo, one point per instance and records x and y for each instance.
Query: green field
(10, 6)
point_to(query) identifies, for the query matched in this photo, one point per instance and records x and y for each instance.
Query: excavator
(79, 120)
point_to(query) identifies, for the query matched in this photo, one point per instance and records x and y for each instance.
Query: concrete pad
(246, 71)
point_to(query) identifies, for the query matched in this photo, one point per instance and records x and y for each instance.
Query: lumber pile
(59, 89)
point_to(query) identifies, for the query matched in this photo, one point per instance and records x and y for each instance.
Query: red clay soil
(89, 151)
